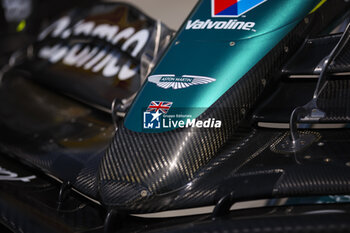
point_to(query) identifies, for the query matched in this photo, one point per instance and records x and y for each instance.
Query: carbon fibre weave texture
(303, 181)
(319, 170)
(324, 167)
(164, 162)
(334, 101)
(249, 166)
(205, 189)
(86, 180)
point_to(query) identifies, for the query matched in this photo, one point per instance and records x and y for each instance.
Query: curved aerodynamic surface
(219, 64)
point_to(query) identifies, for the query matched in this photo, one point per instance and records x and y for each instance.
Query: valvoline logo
(233, 8)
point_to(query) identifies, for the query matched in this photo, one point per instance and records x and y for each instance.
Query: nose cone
(138, 166)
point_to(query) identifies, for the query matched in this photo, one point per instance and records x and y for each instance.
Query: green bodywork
(223, 54)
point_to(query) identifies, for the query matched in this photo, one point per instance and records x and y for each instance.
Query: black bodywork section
(34, 207)
(101, 36)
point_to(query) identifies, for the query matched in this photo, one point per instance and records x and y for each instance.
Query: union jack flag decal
(162, 106)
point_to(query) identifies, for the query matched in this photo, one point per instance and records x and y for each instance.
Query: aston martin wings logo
(167, 81)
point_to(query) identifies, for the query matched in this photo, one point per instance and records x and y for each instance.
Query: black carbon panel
(329, 179)
(342, 62)
(334, 101)
(249, 166)
(324, 167)
(148, 159)
(86, 180)
(313, 53)
(32, 207)
(206, 187)
(53, 133)
(125, 192)
(214, 180)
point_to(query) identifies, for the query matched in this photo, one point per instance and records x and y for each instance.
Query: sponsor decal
(6, 175)
(177, 121)
(227, 9)
(220, 25)
(156, 117)
(233, 8)
(94, 58)
(167, 81)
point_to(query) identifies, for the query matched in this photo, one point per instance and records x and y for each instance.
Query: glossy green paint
(211, 53)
